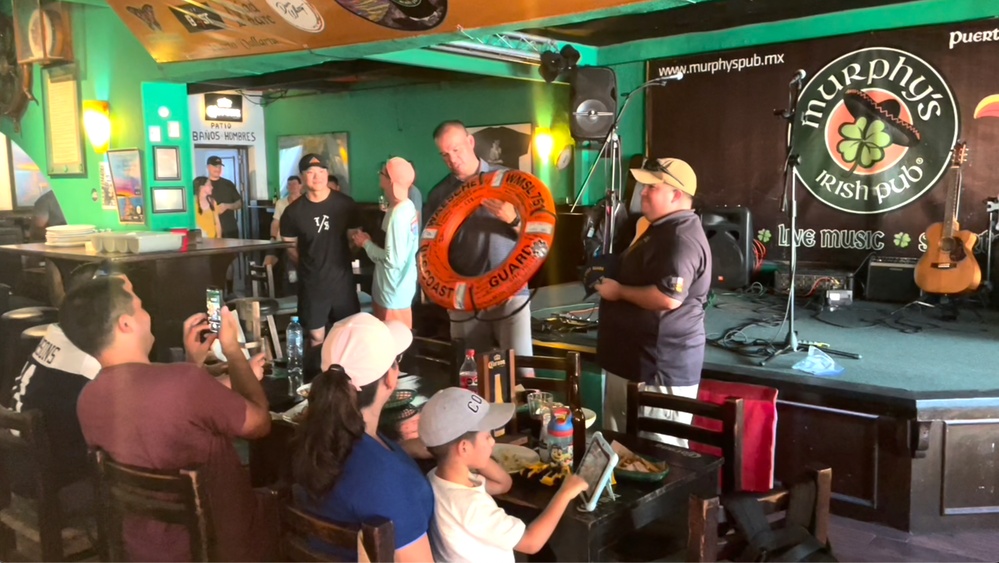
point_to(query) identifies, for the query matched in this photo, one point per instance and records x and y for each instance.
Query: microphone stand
(791, 161)
(613, 142)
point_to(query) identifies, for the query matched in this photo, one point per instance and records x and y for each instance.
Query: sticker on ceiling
(147, 15)
(299, 13)
(405, 15)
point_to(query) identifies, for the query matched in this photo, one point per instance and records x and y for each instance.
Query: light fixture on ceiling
(555, 64)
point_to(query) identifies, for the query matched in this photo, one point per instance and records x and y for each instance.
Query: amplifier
(811, 280)
(891, 278)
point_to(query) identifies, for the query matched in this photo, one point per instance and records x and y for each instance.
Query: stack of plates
(69, 235)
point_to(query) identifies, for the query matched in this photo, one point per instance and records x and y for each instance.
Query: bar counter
(171, 284)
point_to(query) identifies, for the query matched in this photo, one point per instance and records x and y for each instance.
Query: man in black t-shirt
(227, 198)
(317, 223)
(652, 311)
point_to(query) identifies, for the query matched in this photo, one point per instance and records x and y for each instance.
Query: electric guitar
(949, 266)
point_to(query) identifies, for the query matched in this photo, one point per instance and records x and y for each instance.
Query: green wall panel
(400, 121)
(173, 97)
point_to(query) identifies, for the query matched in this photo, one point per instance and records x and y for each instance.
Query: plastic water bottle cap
(294, 319)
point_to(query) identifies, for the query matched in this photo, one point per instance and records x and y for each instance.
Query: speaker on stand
(730, 236)
(593, 103)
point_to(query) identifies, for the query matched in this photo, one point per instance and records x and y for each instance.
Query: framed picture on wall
(172, 199)
(126, 177)
(166, 164)
(505, 145)
(333, 146)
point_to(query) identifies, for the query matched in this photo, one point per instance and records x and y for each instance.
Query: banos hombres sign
(873, 130)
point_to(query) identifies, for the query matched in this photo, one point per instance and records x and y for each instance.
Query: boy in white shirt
(468, 525)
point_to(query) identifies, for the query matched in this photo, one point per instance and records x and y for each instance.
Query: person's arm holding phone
(196, 348)
(258, 417)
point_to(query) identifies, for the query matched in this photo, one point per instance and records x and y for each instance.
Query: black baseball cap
(310, 160)
(214, 161)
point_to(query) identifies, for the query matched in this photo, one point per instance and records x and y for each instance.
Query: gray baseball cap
(453, 411)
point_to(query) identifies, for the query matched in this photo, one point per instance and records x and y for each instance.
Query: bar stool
(12, 324)
(252, 310)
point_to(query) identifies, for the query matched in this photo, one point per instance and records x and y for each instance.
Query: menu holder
(496, 381)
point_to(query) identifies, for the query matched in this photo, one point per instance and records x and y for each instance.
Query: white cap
(364, 347)
(453, 411)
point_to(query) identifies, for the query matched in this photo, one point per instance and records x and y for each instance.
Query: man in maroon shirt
(171, 416)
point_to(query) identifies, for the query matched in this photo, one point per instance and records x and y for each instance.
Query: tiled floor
(861, 541)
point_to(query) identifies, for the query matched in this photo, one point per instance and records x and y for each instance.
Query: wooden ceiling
(342, 76)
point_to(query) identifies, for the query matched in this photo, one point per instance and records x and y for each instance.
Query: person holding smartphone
(178, 416)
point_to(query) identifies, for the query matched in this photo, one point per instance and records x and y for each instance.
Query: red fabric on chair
(759, 429)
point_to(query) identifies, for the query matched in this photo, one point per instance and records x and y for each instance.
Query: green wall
(173, 97)
(400, 121)
(112, 70)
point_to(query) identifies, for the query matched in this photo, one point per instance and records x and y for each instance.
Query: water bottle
(468, 375)
(560, 447)
(296, 349)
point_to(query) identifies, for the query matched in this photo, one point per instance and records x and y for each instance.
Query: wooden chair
(173, 497)
(568, 387)
(728, 439)
(374, 541)
(434, 359)
(24, 445)
(711, 539)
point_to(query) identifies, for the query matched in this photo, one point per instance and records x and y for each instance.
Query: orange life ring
(536, 209)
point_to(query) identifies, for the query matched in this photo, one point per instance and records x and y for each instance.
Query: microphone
(664, 79)
(799, 77)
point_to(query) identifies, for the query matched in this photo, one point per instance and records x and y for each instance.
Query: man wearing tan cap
(652, 311)
(395, 265)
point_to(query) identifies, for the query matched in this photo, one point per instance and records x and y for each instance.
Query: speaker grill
(729, 233)
(593, 99)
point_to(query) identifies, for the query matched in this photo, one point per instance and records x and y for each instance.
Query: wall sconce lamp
(543, 143)
(97, 124)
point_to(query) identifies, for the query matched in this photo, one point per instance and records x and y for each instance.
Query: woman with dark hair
(206, 214)
(345, 470)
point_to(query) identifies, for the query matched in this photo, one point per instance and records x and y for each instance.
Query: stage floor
(906, 352)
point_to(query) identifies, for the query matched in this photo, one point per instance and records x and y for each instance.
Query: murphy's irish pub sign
(187, 30)
(873, 130)
(874, 126)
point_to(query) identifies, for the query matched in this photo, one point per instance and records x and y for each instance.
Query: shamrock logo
(864, 142)
(763, 235)
(876, 127)
(902, 240)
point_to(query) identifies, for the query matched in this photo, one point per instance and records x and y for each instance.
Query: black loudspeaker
(593, 103)
(730, 236)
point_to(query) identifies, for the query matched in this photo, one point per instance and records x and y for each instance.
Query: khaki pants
(616, 407)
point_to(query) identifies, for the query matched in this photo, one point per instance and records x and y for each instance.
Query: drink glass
(538, 405)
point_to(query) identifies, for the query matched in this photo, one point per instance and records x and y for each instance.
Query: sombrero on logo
(874, 129)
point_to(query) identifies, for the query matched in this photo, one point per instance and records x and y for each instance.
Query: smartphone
(213, 298)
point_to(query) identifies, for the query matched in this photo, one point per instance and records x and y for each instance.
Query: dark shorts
(319, 306)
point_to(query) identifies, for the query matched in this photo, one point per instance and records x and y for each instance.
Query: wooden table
(171, 284)
(585, 536)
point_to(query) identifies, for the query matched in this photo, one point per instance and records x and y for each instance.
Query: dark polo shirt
(660, 347)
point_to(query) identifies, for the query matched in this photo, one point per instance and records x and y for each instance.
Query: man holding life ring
(481, 244)
(652, 311)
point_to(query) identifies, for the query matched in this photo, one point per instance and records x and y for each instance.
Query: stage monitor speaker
(593, 103)
(730, 236)
(891, 279)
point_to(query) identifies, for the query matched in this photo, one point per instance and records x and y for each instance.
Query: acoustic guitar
(949, 266)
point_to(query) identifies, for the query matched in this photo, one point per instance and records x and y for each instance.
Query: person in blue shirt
(345, 471)
(395, 265)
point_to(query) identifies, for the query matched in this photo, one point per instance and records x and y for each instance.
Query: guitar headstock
(959, 155)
